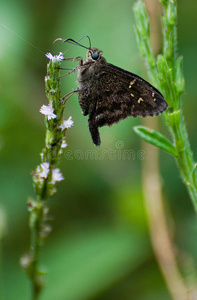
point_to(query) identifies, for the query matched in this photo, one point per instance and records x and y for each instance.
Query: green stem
(167, 76)
(185, 159)
(36, 217)
(43, 180)
(34, 252)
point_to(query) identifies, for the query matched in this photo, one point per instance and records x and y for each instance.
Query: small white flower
(66, 124)
(55, 57)
(64, 144)
(48, 111)
(44, 170)
(60, 56)
(49, 56)
(25, 261)
(52, 91)
(56, 176)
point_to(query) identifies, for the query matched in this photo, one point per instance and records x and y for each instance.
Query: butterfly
(109, 94)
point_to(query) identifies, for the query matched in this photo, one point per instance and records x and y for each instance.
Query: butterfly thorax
(91, 66)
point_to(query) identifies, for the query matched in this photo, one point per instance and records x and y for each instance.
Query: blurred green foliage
(99, 246)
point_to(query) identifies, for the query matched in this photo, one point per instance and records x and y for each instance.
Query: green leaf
(174, 119)
(179, 78)
(194, 175)
(155, 138)
(143, 32)
(165, 79)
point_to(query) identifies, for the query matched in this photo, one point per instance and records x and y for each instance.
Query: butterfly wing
(113, 94)
(125, 94)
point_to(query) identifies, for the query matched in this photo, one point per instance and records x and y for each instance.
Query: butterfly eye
(95, 55)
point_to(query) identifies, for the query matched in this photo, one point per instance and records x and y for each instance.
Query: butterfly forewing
(121, 94)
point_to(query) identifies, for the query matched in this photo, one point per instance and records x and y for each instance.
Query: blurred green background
(99, 247)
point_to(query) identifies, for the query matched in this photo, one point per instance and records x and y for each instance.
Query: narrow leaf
(155, 138)
(194, 175)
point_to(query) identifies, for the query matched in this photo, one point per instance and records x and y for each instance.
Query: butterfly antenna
(71, 41)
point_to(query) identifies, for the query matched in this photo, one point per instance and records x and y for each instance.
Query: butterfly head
(93, 55)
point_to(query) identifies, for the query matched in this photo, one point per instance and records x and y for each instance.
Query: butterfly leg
(67, 96)
(78, 58)
(72, 70)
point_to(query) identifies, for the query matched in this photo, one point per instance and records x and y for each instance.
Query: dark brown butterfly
(109, 94)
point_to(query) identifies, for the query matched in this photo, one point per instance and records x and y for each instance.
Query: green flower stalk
(166, 73)
(46, 175)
